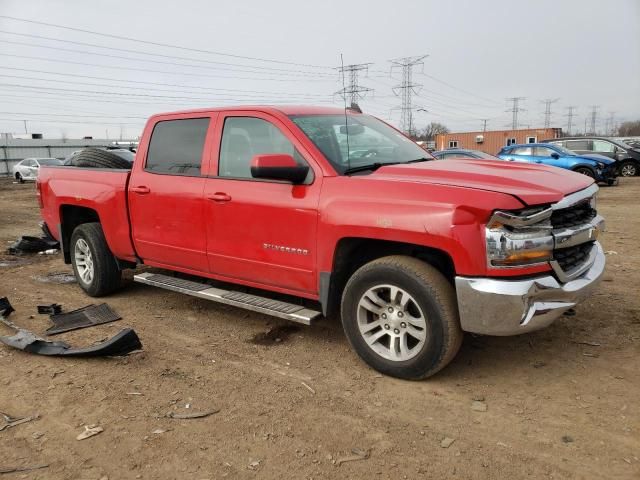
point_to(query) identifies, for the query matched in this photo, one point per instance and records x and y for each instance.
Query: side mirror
(555, 155)
(278, 166)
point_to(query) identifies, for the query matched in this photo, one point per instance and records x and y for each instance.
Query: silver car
(28, 168)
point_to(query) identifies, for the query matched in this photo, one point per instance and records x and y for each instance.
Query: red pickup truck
(310, 211)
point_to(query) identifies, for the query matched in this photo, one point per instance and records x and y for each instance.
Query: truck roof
(283, 109)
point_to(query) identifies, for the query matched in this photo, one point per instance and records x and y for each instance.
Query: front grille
(572, 216)
(572, 257)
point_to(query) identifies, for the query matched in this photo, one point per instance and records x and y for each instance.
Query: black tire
(96, 158)
(19, 178)
(106, 274)
(629, 169)
(586, 171)
(434, 296)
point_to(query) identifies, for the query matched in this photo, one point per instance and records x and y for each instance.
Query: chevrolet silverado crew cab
(299, 212)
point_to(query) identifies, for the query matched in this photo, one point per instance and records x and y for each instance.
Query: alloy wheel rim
(628, 171)
(391, 323)
(84, 261)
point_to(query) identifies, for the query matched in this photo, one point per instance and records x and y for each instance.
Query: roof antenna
(344, 97)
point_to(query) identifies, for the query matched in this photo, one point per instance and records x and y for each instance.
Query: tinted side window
(578, 144)
(603, 146)
(245, 137)
(543, 152)
(522, 151)
(176, 146)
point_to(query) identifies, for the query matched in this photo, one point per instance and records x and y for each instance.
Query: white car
(28, 168)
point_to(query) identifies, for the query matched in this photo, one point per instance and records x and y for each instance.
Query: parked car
(28, 168)
(598, 167)
(628, 156)
(463, 153)
(411, 252)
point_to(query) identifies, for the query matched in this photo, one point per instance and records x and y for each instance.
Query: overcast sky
(582, 52)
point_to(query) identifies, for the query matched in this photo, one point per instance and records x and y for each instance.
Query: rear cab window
(176, 147)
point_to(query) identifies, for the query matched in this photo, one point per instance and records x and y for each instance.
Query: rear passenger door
(166, 188)
(261, 232)
(520, 154)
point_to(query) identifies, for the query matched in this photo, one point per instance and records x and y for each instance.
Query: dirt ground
(295, 402)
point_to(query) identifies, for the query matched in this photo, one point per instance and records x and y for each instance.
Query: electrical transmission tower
(594, 116)
(547, 110)
(570, 115)
(353, 91)
(407, 89)
(515, 109)
(610, 126)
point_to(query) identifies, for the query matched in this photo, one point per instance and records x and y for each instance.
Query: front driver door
(261, 232)
(546, 156)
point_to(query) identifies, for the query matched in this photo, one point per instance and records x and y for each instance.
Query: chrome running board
(275, 308)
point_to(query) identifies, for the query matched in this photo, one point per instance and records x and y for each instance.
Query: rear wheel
(94, 265)
(629, 169)
(401, 317)
(585, 171)
(19, 178)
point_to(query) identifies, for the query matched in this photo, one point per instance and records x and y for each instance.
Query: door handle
(219, 197)
(142, 190)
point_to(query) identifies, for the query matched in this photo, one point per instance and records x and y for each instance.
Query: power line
(547, 110)
(174, 64)
(146, 83)
(164, 72)
(515, 109)
(570, 115)
(407, 89)
(300, 96)
(354, 91)
(159, 44)
(127, 50)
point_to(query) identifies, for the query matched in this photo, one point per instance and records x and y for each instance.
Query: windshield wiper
(363, 168)
(374, 166)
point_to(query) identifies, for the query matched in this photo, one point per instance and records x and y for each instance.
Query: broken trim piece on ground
(84, 317)
(124, 342)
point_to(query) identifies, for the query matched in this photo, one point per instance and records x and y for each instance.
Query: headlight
(593, 201)
(600, 165)
(517, 240)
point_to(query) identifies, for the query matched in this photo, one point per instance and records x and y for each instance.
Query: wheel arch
(353, 252)
(70, 217)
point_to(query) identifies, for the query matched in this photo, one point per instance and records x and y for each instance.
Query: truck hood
(531, 184)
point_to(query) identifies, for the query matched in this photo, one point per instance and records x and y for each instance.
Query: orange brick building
(492, 141)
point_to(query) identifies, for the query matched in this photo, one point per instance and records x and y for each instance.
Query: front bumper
(492, 306)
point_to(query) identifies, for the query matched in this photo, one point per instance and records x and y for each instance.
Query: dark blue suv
(598, 167)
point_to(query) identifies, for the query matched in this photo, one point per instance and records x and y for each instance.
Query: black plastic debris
(123, 343)
(84, 317)
(52, 309)
(28, 244)
(5, 307)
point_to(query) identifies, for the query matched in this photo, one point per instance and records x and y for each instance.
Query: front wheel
(94, 265)
(585, 171)
(19, 178)
(401, 317)
(629, 169)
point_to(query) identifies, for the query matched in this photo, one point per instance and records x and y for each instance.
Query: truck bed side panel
(102, 190)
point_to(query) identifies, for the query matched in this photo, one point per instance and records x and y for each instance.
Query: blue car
(598, 167)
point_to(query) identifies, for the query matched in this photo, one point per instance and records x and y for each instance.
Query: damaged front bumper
(492, 306)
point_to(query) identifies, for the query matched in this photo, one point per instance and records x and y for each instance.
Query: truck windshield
(371, 143)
